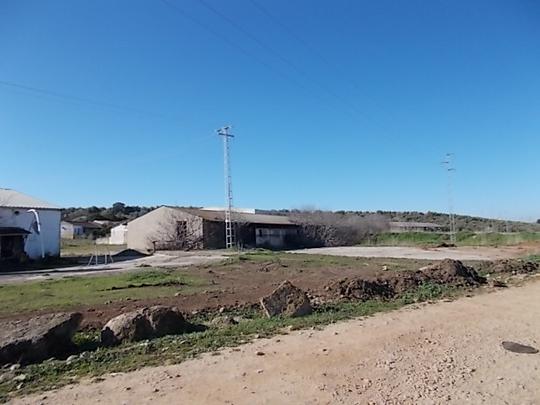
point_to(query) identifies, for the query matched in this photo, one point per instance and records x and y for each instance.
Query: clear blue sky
(335, 104)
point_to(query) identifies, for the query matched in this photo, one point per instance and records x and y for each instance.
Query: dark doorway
(11, 246)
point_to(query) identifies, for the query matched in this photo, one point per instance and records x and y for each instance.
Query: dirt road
(404, 252)
(162, 259)
(449, 352)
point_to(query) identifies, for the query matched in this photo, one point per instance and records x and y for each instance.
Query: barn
(173, 228)
(29, 228)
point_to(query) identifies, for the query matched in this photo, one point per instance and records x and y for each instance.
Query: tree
(118, 208)
(326, 228)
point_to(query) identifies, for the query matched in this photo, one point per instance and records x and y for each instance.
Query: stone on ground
(38, 338)
(286, 300)
(145, 323)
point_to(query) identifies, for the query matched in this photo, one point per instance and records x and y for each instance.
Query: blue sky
(335, 104)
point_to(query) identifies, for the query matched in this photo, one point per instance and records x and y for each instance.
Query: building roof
(14, 199)
(219, 216)
(85, 224)
(414, 225)
(10, 231)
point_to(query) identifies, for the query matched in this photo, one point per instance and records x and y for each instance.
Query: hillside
(122, 212)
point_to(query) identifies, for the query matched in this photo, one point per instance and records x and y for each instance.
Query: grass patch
(462, 239)
(175, 349)
(91, 290)
(533, 258)
(86, 247)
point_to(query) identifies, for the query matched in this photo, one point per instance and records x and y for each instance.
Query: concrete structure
(118, 235)
(77, 230)
(399, 227)
(20, 234)
(171, 228)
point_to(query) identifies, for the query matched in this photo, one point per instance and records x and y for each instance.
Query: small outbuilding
(173, 228)
(400, 227)
(28, 227)
(78, 229)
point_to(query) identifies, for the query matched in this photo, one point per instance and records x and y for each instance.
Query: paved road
(169, 259)
(461, 253)
(449, 352)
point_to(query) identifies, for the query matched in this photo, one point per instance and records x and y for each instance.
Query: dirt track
(406, 252)
(445, 352)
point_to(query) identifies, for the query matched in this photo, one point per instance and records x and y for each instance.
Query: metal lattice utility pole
(229, 229)
(449, 167)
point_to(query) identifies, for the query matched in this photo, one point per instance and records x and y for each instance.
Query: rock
(128, 327)
(166, 321)
(286, 300)
(145, 323)
(38, 338)
(224, 321)
(519, 348)
(20, 378)
(497, 284)
(72, 359)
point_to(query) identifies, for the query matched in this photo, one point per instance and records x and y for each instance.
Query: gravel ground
(460, 253)
(449, 352)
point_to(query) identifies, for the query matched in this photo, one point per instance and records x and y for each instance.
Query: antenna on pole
(448, 163)
(229, 230)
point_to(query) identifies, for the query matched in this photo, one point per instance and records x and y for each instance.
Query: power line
(329, 64)
(284, 59)
(69, 97)
(232, 44)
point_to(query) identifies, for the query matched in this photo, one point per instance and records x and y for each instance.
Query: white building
(20, 232)
(118, 235)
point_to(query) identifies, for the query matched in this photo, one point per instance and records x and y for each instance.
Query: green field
(74, 291)
(462, 239)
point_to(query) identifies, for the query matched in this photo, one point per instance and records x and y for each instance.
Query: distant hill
(118, 212)
(122, 212)
(463, 222)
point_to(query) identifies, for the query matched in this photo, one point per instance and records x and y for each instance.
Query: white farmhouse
(118, 235)
(27, 226)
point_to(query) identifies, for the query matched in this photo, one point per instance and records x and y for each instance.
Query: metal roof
(13, 199)
(414, 225)
(219, 216)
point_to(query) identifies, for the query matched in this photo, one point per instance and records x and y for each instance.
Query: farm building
(28, 227)
(118, 235)
(170, 228)
(78, 230)
(398, 227)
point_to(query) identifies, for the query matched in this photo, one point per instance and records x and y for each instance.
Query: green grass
(175, 349)
(86, 247)
(533, 258)
(462, 239)
(91, 290)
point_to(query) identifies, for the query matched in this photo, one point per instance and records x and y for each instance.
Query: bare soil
(241, 283)
(449, 352)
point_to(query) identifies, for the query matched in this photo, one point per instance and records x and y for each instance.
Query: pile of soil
(391, 285)
(513, 266)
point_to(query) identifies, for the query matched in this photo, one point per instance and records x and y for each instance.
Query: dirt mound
(453, 272)
(514, 266)
(390, 285)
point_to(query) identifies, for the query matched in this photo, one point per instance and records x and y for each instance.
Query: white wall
(118, 235)
(50, 229)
